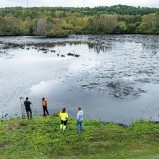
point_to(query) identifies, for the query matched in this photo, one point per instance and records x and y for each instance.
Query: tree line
(58, 21)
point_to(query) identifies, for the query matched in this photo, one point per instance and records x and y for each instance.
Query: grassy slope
(41, 138)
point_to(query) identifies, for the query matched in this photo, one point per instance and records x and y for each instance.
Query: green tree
(122, 27)
(12, 26)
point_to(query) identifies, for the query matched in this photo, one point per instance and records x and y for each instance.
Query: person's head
(79, 108)
(63, 110)
(27, 98)
(43, 98)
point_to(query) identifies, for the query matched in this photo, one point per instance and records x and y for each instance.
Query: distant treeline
(46, 21)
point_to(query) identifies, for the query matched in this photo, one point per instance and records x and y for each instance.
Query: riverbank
(42, 138)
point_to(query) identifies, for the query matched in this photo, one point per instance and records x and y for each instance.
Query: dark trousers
(45, 110)
(29, 113)
(63, 122)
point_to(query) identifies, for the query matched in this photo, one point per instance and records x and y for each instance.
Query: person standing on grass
(27, 104)
(44, 104)
(64, 118)
(79, 120)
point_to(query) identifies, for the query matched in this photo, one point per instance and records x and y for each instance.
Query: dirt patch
(5, 146)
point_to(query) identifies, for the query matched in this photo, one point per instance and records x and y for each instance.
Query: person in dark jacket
(27, 104)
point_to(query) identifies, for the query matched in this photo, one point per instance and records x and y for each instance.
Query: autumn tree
(41, 28)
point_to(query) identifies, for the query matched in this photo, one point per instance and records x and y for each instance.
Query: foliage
(41, 138)
(47, 21)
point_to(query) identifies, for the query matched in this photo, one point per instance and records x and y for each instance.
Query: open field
(41, 138)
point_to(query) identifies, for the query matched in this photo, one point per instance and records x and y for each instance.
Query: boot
(61, 126)
(64, 127)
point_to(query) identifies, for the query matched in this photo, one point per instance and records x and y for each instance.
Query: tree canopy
(59, 21)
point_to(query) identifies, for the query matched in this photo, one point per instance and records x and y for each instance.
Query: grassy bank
(41, 138)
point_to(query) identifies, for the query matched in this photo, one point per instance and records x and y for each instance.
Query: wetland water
(112, 77)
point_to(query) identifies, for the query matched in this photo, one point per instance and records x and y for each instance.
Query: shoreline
(2, 119)
(87, 34)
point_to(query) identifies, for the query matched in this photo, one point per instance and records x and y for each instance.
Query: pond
(112, 77)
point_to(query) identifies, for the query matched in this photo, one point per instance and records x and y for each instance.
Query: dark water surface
(115, 78)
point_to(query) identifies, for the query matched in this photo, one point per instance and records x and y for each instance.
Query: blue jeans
(79, 125)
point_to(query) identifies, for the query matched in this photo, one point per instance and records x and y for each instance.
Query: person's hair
(63, 110)
(27, 98)
(79, 108)
(43, 98)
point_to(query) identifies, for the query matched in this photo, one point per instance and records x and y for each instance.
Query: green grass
(41, 138)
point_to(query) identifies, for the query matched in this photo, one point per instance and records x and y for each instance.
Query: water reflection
(99, 47)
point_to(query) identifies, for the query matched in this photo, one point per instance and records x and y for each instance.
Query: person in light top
(79, 120)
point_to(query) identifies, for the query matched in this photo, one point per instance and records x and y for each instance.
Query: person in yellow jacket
(64, 118)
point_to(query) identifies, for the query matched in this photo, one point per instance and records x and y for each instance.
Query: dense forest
(58, 21)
